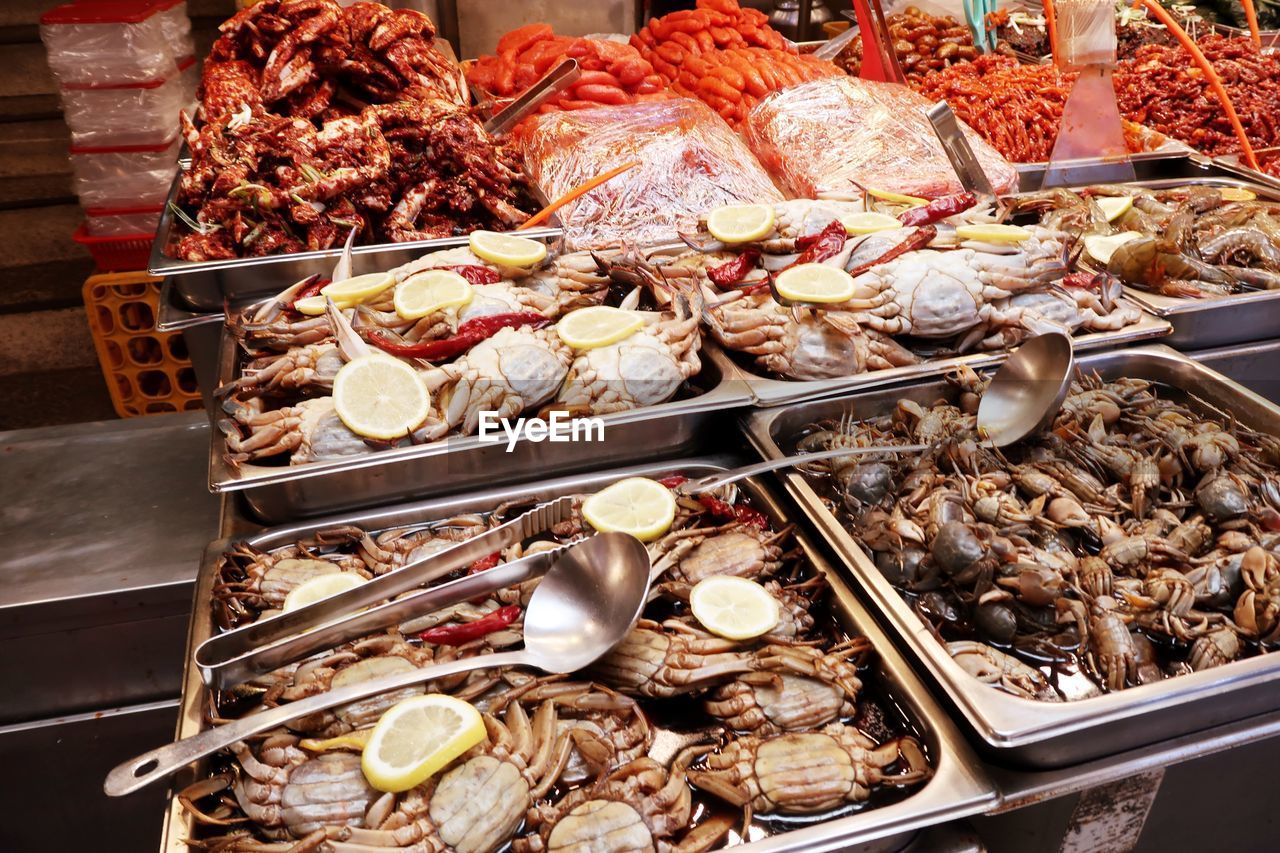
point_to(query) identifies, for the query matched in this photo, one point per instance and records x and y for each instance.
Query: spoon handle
(166, 760)
(715, 481)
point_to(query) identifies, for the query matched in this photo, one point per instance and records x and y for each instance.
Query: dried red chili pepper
(484, 564)
(825, 244)
(921, 238)
(673, 481)
(312, 288)
(470, 333)
(733, 272)
(465, 632)
(476, 274)
(736, 512)
(939, 208)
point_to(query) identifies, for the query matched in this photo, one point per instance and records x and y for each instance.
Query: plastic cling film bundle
(690, 162)
(830, 138)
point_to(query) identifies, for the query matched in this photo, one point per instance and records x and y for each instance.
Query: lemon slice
(740, 223)
(1102, 246)
(868, 222)
(1237, 194)
(733, 607)
(431, 291)
(993, 233)
(315, 305)
(1115, 206)
(639, 506)
(814, 283)
(353, 291)
(380, 397)
(356, 741)
(896, 198)
(507, 250)
(597, 326)
(416, 738)
(322, 586)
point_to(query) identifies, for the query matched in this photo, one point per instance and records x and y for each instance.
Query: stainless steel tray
(1024, 731)
(279, 493)
(1233, 163)
(957, 789)
(209, 285)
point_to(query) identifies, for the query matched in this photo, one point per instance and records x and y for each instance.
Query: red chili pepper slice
(921, 238)
(465, 632)
(313, 289)
(735, 270)
(738, 512)
(476, 274)
(939, 208)
(825, 244)
(673, 481)
(484, 564)
(470, 333)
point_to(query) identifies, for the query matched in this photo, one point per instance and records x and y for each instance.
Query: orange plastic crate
(147, 372)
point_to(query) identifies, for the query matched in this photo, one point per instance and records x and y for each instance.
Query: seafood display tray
(209, 285)
(1197, 323)
(954, 790)
(771, 392)
(280, 493)
(1024, 731)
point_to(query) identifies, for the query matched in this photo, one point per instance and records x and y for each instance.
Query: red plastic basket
(116, 254)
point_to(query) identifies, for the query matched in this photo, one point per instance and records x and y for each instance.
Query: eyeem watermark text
(557, 426)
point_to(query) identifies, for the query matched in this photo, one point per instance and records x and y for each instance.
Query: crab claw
(350, 344)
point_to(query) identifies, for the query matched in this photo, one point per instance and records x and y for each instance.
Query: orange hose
(580, 190)
(1051, 24)
(1214, 80)
(1251, 15)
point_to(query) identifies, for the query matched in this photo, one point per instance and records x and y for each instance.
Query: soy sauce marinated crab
(661, 745)
(1132, 542)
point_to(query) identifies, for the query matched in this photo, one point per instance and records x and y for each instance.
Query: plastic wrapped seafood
(690, 162)
(832, 138)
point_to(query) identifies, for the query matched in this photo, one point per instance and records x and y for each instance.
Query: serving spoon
(583, 607)
(1023, 397)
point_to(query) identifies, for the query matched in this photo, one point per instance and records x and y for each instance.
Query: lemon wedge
(507, 250)
(431, 291)
(732, 607)
(814, 283)
(1237, 194)
(380, 397)
(896, 198)
(740, 223)
(1102, 246)
(356, 741)
(416, 738)
(315, 305)
(322, 586)
(353, 291)
(639, 506)
(597, 326)
(1115, 206)
(993, 233)
(868, 222)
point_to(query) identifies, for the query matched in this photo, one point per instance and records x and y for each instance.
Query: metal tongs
(957, 149)
(556, 80)
(239, 655)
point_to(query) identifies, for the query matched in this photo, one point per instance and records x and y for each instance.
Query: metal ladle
(582, 608)
(1022, 398)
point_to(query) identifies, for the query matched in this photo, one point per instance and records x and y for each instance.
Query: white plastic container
(125, 113)
(177, 28)
(122, 221)
(111, 42)
(124, 176)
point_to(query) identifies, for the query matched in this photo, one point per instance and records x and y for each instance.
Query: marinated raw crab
(1133, 542)
(643, 751)
(1194, 241)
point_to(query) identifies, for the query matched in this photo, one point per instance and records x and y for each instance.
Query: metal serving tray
(279, 493)
(208, 285)
(1233, 163)
(201, 330)
(1025, 731)
(955, 790)
(1210, 322)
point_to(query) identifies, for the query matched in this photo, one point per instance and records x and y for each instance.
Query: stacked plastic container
(125, 69)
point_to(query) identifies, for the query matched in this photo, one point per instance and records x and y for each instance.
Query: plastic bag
(690, 162)
(108, 52)
(828, 138)
(131, 114)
